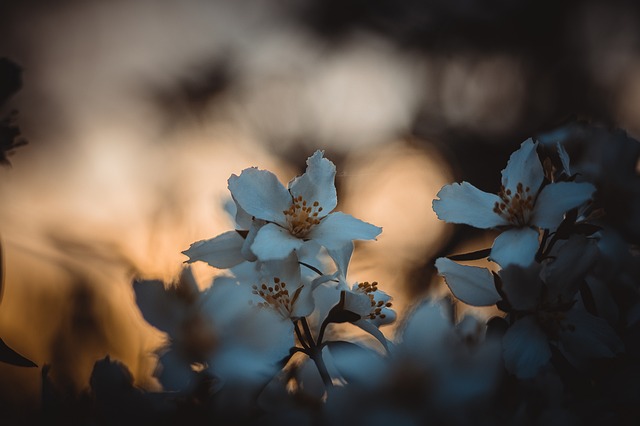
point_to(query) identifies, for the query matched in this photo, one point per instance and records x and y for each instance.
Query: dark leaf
(9, 356)
(474, 255)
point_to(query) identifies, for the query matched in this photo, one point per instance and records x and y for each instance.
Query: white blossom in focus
(522, 206)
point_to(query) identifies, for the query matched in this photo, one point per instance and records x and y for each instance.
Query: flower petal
(522, 286)
(556, 199)
(288, 271)
(338, 229)
(370, 328)
(342, 257)
(464, 203)
(250, 238)
(260, 194)
(588, 337)
(358, 302)
(273, 242)
(317, 183)
(223, 251)
(241, 217)
(569, 262)
(473, 285)
(564, 158)
(523, 167)
(525, 348)
(516, 246)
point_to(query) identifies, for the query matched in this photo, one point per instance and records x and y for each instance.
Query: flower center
(277, 297)
(554, 322)
(302, 216)
(516, 208)
(376, 305)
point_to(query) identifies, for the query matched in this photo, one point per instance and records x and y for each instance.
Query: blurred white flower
(543, 304)
(522, 204)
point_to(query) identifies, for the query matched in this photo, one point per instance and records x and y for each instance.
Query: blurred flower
(525, 201)
(544, 307)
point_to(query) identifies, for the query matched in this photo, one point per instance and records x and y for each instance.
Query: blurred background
(137, 112)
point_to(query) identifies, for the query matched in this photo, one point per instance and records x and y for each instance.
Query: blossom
(282, 220)
(280, 287)
(525, 201)
(362, 304)
(544, 307)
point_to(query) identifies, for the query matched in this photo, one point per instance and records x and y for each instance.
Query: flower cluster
(266, 342)
(274, 289)
(563, 309)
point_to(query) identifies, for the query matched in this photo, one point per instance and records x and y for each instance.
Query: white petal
(569, 262)
(287, 270)
(525, 348)
(556, 199)
(516, 246)
(522, 286)
(338, 229)
(250, 238)
(223, 251)
(273, 242)
(317, 183)
(357, 302)
(473, 285)
(523, 167)
(588, 337)
(241, 217)
(260, 194)
(425, 331)
(374, 331)
(342, 256)
(464, 203)
(564, 158)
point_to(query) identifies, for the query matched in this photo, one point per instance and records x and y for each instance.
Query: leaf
(9, 356)
(474, 255)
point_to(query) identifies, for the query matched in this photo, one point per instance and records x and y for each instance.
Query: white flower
(361, 304)
(522, 204)
(544, 306)
(282, 289)
(282, 220)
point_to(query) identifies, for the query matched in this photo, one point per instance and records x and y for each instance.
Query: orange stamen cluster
(276, 297)
(301, 216)
(516, 208)
(376, 306)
